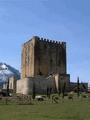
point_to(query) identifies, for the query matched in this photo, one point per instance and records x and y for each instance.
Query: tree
(33, 90)
(63, 89)
(78, 87)
(49, 90)
(8, 87)
(59, 87)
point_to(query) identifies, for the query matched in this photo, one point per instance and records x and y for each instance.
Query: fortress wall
(25, 86)
(28, 59)
(50, 57)
(43, 57)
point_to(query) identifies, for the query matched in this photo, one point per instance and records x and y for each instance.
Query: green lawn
(67, 110)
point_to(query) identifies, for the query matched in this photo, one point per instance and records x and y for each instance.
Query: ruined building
(42, 58)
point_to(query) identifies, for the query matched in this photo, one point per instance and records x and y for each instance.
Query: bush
(84, 95)
(24, 99)
(55, 98)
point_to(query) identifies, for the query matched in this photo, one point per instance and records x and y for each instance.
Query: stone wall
(43, 57)
(27, 66)
(41, 84)
(25, 86)
(50, 58)
(12, 84)
(22, 86)
(60, 80)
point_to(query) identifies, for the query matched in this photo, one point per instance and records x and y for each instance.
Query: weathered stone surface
(40, 84)
(46, 59)
(42, 57)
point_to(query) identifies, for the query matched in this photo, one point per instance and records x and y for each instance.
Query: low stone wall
(39, 84)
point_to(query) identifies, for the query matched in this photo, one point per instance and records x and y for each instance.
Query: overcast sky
(64, 20)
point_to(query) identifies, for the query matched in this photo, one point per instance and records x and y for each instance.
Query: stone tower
(43, 57)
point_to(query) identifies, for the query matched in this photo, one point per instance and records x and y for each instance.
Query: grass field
(67, 110)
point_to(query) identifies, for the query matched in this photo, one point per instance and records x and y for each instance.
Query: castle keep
(43, 57)
(43, 64)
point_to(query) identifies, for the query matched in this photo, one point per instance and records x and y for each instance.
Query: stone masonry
(43, 57)
(43, 64)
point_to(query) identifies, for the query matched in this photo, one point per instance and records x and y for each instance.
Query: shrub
(84, 95)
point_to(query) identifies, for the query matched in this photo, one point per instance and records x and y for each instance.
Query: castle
(44, 64)
(43, 57)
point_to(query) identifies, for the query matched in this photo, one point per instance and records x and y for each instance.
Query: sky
(61, 20)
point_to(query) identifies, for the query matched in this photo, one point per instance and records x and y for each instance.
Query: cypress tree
(63, 89)
(78, 87)
(33, 92)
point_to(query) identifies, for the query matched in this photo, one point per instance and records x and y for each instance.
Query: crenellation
(41, 39)
(50, 41)
(59, 42)
(44, 40)
(47, 40)
(36, 38)
(56, 42)
(64, 44)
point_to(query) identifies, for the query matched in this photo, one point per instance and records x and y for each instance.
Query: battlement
(44, 40)
(49, 41)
